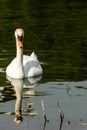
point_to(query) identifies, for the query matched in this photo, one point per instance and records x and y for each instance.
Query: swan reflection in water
(24, 88)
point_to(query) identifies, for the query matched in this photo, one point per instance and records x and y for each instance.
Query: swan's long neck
(19, 55)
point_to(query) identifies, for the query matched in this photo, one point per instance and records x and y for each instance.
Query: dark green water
(57, 33)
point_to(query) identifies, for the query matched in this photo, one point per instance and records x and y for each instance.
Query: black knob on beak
(20, 38)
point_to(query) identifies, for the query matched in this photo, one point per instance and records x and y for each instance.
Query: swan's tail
(33, 55)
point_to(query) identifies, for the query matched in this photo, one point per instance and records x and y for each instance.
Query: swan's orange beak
(20, 43)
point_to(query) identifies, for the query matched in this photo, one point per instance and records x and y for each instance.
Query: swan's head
(19, 35)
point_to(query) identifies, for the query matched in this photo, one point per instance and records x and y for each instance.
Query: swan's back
(31, 66)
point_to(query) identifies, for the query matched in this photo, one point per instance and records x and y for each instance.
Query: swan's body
(23, 66)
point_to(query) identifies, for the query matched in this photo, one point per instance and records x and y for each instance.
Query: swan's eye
(20, 37)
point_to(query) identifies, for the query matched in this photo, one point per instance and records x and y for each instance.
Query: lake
(57, 33)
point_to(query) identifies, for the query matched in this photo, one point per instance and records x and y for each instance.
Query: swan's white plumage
(27, 66)
(31, 67)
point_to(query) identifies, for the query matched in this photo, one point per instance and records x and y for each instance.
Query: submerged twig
(61, 115)
(43, 109)
(60, 111)
(44, 114)
(83, 124)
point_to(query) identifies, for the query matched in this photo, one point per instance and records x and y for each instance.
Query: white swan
(23, 66)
